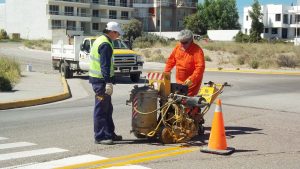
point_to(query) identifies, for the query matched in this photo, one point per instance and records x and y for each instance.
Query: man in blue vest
(101, 76)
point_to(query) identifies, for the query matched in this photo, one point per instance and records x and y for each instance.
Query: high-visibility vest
(95, 65)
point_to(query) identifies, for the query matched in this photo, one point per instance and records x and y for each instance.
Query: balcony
(55, 15)
(77, 1)
(111, 3)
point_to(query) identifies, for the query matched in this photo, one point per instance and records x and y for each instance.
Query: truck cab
(126, 61)
(75, 57)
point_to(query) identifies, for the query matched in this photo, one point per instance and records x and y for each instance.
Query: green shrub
(10, 73)
(207, 58)
(3, 34)
(149, 40)
(240, 37)
(254, 64)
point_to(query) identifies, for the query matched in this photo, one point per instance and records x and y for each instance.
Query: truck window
(86, 45)
(118, 44)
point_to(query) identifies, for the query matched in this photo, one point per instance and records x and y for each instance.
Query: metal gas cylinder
(144, 102)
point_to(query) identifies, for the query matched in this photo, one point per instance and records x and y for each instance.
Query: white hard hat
(114, 26)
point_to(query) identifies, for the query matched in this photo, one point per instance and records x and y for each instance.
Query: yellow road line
(141, 160)
(121, 158)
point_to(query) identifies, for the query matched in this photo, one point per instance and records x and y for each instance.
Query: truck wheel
(65, 71)
(135, 77)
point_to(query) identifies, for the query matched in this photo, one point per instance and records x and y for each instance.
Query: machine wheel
(201, 130)
(135, 77)
(137, 135)
(166, 136)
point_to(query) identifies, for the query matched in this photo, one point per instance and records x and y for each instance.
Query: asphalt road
(261, 115)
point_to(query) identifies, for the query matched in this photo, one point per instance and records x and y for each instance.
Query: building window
(95, 26)
(246, 31)
(56, 24)
(95, 13)
(291, 19)
(297, 19)
(278, 17)
(69, 11)
(96, 1)
(111, 2)
(158, 22)
(286, 19)
(124, 15)
(274, 31)
(71, 25)
(247, 18)
(112, 14)
(54, 9)
(266, 30)
(123, 3)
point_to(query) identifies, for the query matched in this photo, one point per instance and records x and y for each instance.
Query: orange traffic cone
(217, 139)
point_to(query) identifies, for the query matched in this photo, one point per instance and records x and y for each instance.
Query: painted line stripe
(3, 138)
(15, 145)
(141, 160)
(129, 167)
(122, 157)
(64, 162)
(31, 153)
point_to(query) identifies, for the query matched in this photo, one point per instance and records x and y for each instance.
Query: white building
(39, 19)
(280, 21)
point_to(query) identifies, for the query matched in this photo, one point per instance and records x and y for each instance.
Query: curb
(253, 71)
(43, 100)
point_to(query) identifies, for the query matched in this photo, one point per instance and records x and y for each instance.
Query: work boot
(117, 137)
(104, 142)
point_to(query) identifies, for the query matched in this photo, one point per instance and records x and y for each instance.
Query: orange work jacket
(190, 64)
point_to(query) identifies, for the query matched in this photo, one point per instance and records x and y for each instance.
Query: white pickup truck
(69, 59)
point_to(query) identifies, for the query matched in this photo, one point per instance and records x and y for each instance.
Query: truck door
(84, 55)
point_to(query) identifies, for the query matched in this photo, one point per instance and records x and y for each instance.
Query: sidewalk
(33, 89)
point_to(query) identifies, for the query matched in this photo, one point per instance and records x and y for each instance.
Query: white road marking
(129, 167)
(31, 153)
(63, 162)
(15, 145)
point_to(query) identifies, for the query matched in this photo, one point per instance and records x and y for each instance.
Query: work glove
(109, 89)
(188, 82)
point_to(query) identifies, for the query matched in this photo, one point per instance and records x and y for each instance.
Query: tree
(195, 23)
(214, 14)
(257, 27)
(133, 29)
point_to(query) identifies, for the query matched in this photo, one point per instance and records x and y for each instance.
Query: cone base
(228, 151)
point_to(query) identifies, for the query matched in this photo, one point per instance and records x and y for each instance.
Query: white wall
(222, 35)
(167, 34)
(29, 18)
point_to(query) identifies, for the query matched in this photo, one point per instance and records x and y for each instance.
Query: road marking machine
(162, 110)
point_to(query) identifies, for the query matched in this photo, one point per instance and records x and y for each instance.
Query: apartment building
(280, 21)
(41, 19)
(169, 14)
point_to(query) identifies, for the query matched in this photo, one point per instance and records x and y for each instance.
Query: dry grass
(258, 55)
(38, 44)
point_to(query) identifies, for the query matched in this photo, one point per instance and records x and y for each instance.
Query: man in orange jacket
(189, 60)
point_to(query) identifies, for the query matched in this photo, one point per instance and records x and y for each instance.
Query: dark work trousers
(103, 123)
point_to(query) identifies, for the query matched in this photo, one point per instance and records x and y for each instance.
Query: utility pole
(160, 22)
